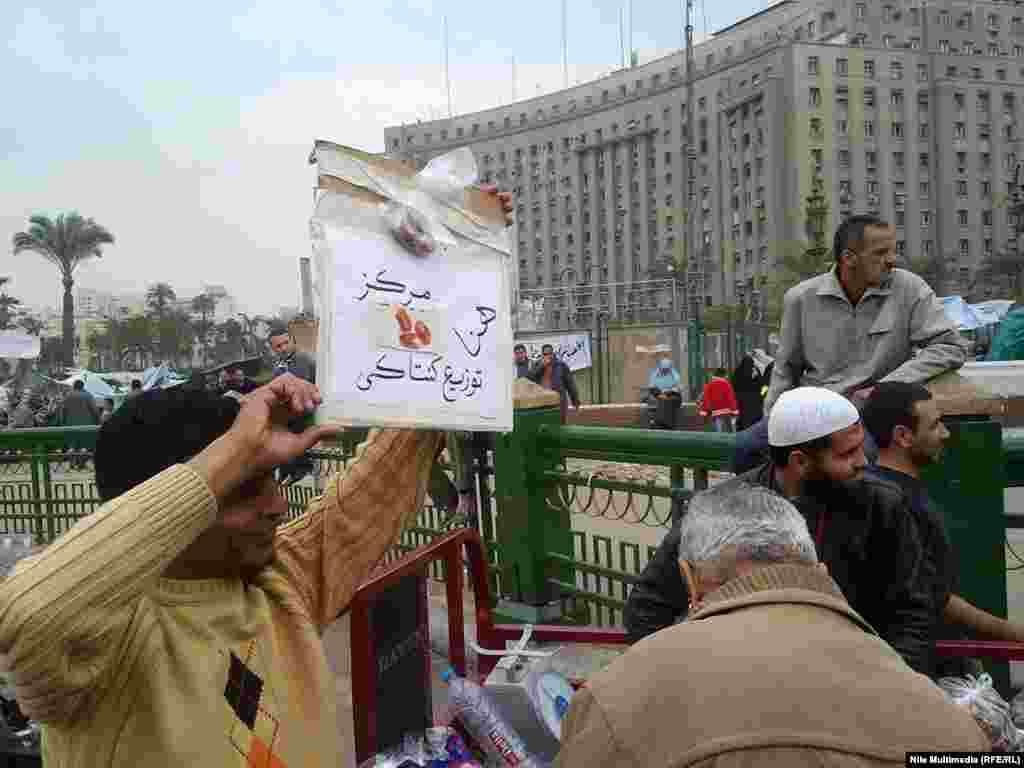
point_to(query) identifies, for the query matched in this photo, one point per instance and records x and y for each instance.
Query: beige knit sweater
(125, 668)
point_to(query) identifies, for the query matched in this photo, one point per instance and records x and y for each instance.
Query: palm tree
(65, 242)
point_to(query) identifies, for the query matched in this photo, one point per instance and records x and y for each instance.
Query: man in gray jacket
(861, 323)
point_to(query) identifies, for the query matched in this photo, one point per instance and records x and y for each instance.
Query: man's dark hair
(136, 384)
(891, 405)
(278, 329)
(519, 348)
(547, 348)
(780, 455)
(850, 235)
(148, 434)
(79, 385)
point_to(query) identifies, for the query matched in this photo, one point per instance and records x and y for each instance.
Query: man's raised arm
(330, 550)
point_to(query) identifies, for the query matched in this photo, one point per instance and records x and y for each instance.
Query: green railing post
(968, 485)
(48, 495)
(528, 527)
(36, 505)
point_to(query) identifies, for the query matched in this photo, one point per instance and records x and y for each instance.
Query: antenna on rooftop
(622, 42)
(631, 32)
(565, 45)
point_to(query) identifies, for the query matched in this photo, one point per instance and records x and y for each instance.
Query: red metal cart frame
(449, 549)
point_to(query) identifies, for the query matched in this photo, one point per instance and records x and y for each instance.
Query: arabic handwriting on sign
(381, 285)
(420, 369)
(365, 380)
(472, 347)
(467, 384)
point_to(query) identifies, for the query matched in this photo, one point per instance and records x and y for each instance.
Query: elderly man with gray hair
(771, 668)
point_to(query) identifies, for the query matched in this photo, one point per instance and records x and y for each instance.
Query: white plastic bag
(988, 708)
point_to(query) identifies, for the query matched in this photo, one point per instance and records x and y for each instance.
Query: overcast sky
(185, 127)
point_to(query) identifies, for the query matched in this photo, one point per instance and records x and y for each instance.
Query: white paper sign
(573, 349)
(416, 341)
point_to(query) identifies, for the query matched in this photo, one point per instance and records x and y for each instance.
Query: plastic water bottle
(489, 730)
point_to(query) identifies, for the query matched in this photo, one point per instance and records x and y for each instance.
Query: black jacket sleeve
(659, 596)
(906, 611)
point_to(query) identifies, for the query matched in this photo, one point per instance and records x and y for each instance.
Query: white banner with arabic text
(573, 349)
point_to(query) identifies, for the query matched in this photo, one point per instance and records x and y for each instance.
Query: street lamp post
(571, 314)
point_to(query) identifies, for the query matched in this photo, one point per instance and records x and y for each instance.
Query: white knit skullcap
(807, 413)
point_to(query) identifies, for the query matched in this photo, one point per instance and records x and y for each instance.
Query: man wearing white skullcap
(863, 528)
(809, 413)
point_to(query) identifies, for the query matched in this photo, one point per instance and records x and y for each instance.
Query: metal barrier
(575, 514)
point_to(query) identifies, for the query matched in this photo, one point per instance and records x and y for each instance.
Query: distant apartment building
(92, 303)
(908, 110)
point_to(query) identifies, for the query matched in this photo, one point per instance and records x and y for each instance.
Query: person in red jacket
(719, 402)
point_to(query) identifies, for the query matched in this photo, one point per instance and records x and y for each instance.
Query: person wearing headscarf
(750, 383)
(664, 396)
(664, 378)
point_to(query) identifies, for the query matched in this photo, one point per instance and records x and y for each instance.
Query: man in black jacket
(906, 423)
(862, 527)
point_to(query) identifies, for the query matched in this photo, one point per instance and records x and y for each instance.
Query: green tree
(31, 325)
(230, 341)
(65, 241)
(176, 337)
(204, 305)
(721, 317)
(135, 340)
(51, 352)
(934, 270)
(1003, 271)
(7, 305)
(158, 299)
(128, 340)
(798, 261)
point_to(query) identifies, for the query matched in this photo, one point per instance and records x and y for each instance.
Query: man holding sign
(179, 625)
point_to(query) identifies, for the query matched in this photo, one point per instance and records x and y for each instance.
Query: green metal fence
(47, 483)
(571, 515)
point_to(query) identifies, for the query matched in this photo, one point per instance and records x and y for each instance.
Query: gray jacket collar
(830, 286)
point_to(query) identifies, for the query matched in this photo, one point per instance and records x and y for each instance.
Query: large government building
(907, 109)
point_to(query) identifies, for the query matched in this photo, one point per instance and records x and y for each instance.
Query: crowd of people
(789, 617)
